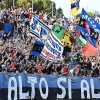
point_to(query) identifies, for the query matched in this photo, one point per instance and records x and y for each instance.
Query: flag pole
(52, 9)
(32, 6)
(13, 3)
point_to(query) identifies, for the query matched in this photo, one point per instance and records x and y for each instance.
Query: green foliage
(2, 5)
(5, 4)
(42, 5)
(20, 2)
(39, 4)
(91, 13)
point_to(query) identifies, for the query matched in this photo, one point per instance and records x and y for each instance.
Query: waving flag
(87, 36)
(38, 28)
(75, 7)
(62, 35)
(53, 49)
(85, 40)
(92, 23)
(89, 50)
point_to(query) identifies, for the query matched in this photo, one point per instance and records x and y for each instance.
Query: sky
(88, 5)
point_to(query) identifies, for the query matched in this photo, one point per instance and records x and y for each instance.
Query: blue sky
(88, 5)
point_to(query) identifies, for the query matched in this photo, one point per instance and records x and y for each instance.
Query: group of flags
(49, 46)
(62, 35)
(53, 41)
(87, 30)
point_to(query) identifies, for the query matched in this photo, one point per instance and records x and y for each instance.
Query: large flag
(53, 49)
(63, 36)
(92, 23)
(87, 34)
(75, 7)
(38, 28)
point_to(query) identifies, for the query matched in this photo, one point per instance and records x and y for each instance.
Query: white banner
(38, 28)
(53, 49)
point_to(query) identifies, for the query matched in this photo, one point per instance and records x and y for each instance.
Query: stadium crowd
(16, 46)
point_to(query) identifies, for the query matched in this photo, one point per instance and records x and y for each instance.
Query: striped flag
(53, 49)
(38, 28)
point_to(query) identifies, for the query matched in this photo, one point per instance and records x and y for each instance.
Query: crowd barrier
(48, 87)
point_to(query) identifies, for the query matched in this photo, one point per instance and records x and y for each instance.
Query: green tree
(2, 5)
(22, 3)
(8, 3)
(91, 13)
(42, 4)
(37, 4)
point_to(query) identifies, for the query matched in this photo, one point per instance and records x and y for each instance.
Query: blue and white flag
(53, 49)
(92, 23)
(87, 35)
(38, 28)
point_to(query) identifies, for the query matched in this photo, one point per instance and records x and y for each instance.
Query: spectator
(16, 45)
